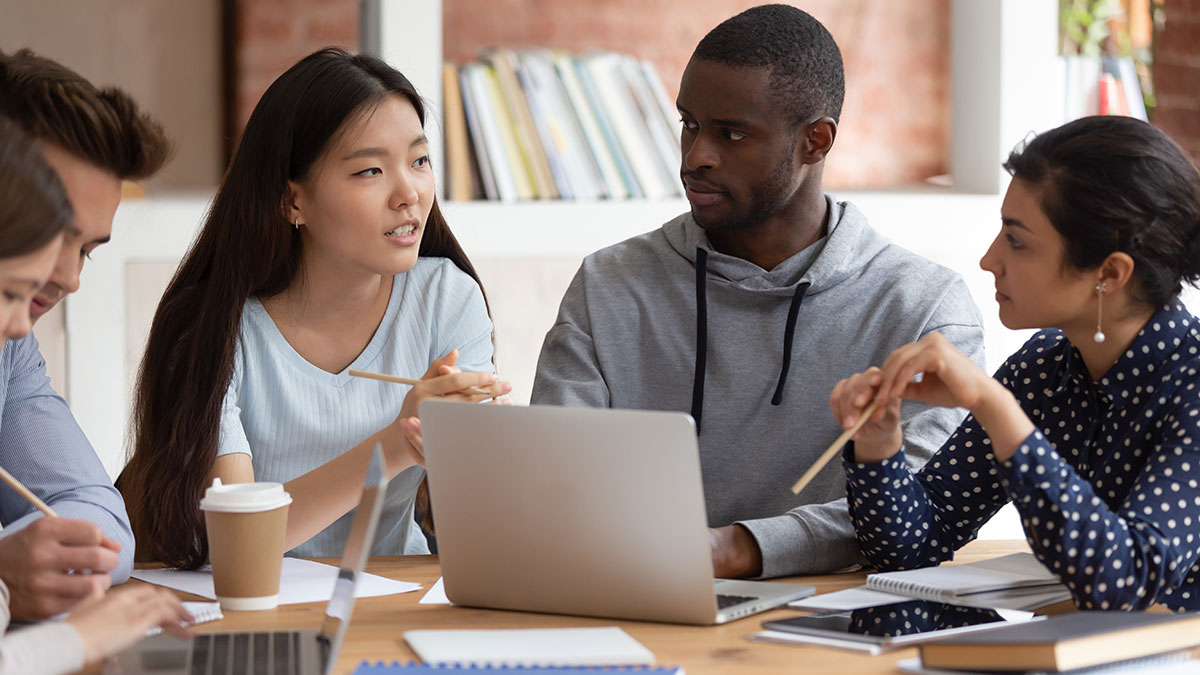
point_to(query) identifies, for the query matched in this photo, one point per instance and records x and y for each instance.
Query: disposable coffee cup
(246, 525)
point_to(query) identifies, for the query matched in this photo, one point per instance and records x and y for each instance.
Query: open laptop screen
(354, 558)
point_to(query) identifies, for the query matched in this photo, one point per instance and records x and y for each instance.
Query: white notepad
(946, 583)
(608, 646)
(202, 612)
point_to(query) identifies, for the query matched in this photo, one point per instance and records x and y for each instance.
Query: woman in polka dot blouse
(1092, 429)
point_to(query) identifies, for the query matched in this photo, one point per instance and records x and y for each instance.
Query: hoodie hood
(848, 246)
(850, 243)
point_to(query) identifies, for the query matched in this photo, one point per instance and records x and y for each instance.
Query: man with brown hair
(94, 139)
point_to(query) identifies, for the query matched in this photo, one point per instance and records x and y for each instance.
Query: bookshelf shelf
(553, 229)
(1004, 82)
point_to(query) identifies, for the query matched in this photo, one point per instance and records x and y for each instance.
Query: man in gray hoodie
(747, 310)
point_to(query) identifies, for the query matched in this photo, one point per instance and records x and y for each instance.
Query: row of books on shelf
(1102, 86)
(547, 124)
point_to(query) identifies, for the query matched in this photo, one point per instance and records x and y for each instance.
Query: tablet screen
(880, 624)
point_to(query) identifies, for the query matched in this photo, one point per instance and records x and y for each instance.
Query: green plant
(1083, 25)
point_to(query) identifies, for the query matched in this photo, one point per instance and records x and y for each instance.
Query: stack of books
(546, 124)
(1107, 86)
(1144, 642)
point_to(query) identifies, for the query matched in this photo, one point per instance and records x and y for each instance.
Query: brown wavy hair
(246, 248)
(33, 203)
(101, 125)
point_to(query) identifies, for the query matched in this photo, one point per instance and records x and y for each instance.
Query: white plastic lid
(244, 497)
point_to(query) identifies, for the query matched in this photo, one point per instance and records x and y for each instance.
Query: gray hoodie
(773, 344)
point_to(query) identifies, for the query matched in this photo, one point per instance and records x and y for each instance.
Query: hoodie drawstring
(701, 336)
(789, 333)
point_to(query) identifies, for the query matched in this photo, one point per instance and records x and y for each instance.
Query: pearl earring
(1099, 336)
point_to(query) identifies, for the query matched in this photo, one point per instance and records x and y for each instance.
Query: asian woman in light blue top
(324, 252)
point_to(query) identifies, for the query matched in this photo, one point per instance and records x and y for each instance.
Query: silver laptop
(578, 511)
(288, 652)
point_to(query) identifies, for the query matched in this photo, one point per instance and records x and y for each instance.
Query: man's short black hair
(806, 64)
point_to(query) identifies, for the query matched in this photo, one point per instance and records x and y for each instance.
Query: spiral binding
(383, 668)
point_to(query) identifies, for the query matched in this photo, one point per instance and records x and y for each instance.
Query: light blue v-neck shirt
(291, 416)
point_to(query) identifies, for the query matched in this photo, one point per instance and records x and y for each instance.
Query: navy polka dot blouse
(1108, 488)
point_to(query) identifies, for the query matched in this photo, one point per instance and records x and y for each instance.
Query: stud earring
(1099, 336)
(296, 222)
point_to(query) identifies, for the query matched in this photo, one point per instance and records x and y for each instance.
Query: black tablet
(902, 623)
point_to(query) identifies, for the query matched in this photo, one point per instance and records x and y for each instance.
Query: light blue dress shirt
(44, 448)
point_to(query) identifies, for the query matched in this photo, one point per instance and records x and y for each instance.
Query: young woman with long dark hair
(1092, 429)
(324, 251)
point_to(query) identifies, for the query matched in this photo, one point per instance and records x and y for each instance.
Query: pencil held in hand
(474, 391)
(834, 449)
(29, 496)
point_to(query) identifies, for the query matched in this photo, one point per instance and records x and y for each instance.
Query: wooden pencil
(834, 449)
(25, 492)
(474, 391)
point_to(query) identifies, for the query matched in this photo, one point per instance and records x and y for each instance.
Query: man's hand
(53, 564)
(735, 553)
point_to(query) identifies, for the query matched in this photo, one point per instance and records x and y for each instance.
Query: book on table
(1066, 642)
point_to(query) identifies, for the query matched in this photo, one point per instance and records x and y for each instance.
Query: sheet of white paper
(851, 598)
(436, 595)
(302, 581)
(780, 637)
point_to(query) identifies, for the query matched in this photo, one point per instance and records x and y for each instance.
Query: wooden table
(377, 629)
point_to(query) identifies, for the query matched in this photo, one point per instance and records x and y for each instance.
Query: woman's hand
(880, 437)
(446, 381)
(110, 623)
(948, 378)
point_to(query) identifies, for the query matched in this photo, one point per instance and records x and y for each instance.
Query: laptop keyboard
(246, 654)
(724, 601)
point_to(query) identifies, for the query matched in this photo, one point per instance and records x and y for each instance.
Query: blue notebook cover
(403, 668)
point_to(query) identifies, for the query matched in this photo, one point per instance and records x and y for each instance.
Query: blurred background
(938, 91)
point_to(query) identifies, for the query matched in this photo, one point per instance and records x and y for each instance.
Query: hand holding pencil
(874, 428)
(444, 379)
(876, 423)
(53, 564)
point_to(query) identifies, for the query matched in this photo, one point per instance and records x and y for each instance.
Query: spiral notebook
(409, 668)
(202, 612)
(1016, 573)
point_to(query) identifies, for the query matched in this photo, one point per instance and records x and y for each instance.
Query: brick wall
(270, 35)
(895, 122)
(1177, 75)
